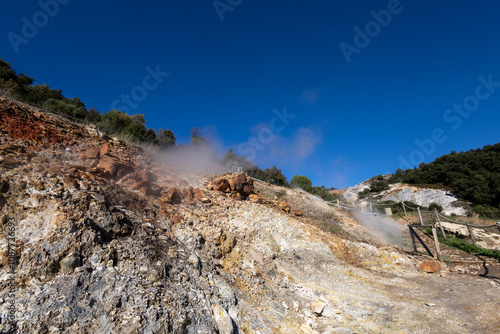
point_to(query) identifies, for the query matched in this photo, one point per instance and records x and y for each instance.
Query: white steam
(385, 229)
(199, 159)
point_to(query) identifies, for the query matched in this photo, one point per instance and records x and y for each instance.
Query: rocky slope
(99, 237)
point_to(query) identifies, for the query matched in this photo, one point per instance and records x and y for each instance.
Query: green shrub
(302, 182)
(378, 186)
(487, 211)
(434, 206)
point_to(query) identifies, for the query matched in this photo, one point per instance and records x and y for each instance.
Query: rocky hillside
(101, 237)
(402, 192)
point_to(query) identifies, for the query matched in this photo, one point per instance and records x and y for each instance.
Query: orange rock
(112, 166)
(298, 213)
(92, 153)
(200, 197)
(104, 149)
(172, 196)
(190, 196)
(221, 185)
(255, 198)
(139, 185)
(430, 266)
(284, 206)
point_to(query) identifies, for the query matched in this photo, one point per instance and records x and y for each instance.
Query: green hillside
(473, 175)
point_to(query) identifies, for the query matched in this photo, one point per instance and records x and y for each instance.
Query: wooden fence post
(440, 225)
(404, 209)
(412, 239)
(436, 241)
(420, 216)
(371, 208)
(421, 242)
(471, 234)
(338, 204)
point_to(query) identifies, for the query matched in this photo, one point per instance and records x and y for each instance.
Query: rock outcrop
(421, 196)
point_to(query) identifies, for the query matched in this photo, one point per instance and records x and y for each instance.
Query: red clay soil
(19, 122)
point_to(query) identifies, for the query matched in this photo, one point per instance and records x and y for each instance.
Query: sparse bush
(364, 193)
(434, 206)
(302, 182)
(487, 211)
(378, 186)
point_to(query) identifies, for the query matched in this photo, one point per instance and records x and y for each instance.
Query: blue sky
(388, 104)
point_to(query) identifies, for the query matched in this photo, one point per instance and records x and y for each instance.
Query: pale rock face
(223, 320)
(421, 196)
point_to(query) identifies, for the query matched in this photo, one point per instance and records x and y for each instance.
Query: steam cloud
(385, 229)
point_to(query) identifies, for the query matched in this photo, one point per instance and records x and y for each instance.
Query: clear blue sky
(352, 120)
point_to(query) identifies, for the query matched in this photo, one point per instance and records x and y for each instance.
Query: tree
(93, 116)
(302, 182)
(166, 138)
(196, 138)
(275, 176)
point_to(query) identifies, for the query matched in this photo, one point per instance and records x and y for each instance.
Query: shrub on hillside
(302, 182)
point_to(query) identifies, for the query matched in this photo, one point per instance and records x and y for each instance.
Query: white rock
(223, 320)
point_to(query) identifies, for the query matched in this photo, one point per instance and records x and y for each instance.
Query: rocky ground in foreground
(109, 240)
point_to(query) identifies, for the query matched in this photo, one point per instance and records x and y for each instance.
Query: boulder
(113, 166)
(221, 185)
(173, 196)
(104, 149)
(190, 196)
(430, 266)
(284, 206)
(223, 320)
(200, 196)
(69, 263)
(92, 153)
(255, 198)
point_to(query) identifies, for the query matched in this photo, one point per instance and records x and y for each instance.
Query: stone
(317, 307)
(112, 166)
(221, 185)
(223, 320)
(200, 197)
(98, 197)
(195, 261)
(328, 312)
(10, 162)
(255, 198)
(190, 196)
(284, 206)
(104, 149)
(237, 182)
(69, 263)
(297, 213)
(172, 196)
(430, 266)
(92, 153)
